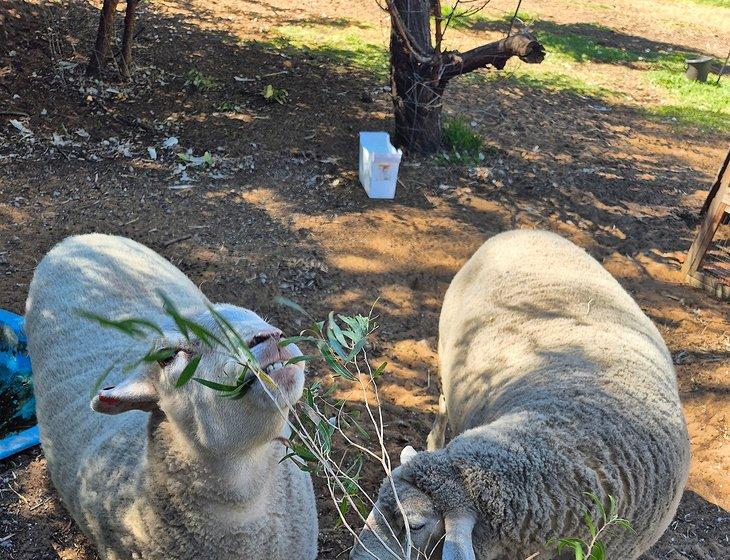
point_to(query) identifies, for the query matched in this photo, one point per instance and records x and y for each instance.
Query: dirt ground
(281, 211)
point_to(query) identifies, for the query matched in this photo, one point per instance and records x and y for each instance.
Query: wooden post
(715, 209)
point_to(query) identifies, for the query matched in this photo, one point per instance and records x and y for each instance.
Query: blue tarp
(17, 405)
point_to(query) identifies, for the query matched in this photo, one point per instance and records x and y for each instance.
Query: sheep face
(384, 534)
(433, 535)
(206, 419)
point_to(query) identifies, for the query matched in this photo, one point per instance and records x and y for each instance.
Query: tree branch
(523, 45)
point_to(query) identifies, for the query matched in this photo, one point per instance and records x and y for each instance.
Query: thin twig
(177, 240)
(722, 70)
(514, 17)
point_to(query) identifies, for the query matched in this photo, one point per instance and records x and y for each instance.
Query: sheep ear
(458, 545)
(134, 393)
(407, 454)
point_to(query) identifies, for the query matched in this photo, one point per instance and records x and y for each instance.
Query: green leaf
(303, 452)
(188, 372)
(596, 500)
(379, 371)
(266, 378)
(356, 349)
(613, 508)
(335, 328)
(216, 386)
(240, 346)
(590, 524)
(296, 340)
(334, 366)
(169, 308)
(343, 506)
(624, 524)
(359, 324)
(358, 426)
(335, 345)
(302, 358)
(575, 544)
(598, 552)
(280, 300)
(361, 506)
(325, 431)
(242, 389)
(159, 355)
(293, 458)
(136, 328)
(204, 335)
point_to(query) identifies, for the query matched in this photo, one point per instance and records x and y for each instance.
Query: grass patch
(200, 81)
(718, 3)
(706, 105)
(582, 48)
(462, 145)
(465, 18)
(579, 42)
(342, 46)
(461, 18)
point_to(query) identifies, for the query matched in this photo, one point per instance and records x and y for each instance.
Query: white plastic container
(379, 161)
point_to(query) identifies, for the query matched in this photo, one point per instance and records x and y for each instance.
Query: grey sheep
(555, 384)
(183, 473)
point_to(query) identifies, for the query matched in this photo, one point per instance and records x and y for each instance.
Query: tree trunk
(415, 81)
(419, 73)
(128, 37)
(97, 60)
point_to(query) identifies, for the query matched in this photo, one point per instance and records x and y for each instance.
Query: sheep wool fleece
(126, 479)
(557, 384)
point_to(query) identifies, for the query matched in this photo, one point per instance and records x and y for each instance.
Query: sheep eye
(416, 526)
(168, 356)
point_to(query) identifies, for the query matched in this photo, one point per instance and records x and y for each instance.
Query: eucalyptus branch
(310, 444)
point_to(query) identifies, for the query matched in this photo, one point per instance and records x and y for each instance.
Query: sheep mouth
(272, 358)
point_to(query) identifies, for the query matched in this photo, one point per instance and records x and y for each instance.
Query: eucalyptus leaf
(159, 355)
(136, 328)
(215, 386)
(188, 371)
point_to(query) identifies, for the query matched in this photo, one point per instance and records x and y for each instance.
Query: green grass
(461, 18)
(342, 46)
(704, 104)
(578, 42)
(718, 3)
(200, 81)
(462, 145)
(465, 18)
(584, 48)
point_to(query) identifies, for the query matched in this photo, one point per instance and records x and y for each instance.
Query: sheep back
(558, 384)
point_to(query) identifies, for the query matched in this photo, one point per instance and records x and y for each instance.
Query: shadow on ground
(282, 213)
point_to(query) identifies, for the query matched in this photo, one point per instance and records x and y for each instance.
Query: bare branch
(523, 45)
(514, 17)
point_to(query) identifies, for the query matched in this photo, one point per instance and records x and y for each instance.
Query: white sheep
(555, 383)
(184, 473)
